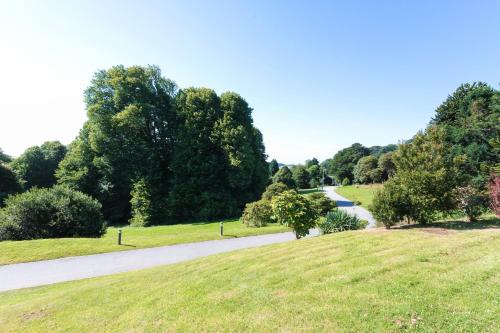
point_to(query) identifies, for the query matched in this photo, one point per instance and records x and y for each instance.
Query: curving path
(348, 206)
(31, 274)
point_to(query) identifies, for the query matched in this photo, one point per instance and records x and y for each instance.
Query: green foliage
(50, 213)
(273, 190)
(342, 164)
(378, 151)
(321, 203)
(427, 174)
(295, 211)
(257, 214)
(301, 176)
(158, 155)
(273, 167)
(386, 165)
(37, 165)
(363, 170)
(390, 204)
(339, 220)
(345, 181)
(8, 183)
(310, 163)
(470, 118)
(4, 157)
(285, 176)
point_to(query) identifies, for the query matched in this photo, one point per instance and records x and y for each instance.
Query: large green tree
(273, 167)
(285, 176)
(363, 170)
(342, 164)
(301, 176)
(38, 164)
(126, 140)
(8, 183)
(470, 118)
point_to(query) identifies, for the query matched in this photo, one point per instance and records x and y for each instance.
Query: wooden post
(119, 236)
(222, 229)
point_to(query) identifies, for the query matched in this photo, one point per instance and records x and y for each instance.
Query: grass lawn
(308, 190)
(416, 279)
(362, 193)
(133, 238)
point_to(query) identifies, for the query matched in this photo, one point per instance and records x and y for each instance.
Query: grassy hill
(361, 193)
(415, 279)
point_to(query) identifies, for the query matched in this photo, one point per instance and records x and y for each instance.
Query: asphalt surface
(24, 275)
(348, 206)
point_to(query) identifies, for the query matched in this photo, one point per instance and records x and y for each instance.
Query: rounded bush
(50, 213)
(321, 202)
(257, 214)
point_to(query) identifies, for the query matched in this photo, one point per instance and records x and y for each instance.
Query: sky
(320, 75)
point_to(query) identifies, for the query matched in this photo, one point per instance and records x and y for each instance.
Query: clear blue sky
(319, 75)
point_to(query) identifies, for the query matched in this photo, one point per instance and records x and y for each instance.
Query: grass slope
(133, 238)
(425, 280)
(362, 193)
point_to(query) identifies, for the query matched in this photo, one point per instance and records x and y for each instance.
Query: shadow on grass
(128, 245)
(342, 203)
(308, 190)
(486, 223)
(230, 236)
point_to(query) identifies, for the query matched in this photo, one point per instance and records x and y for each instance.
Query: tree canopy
(38, 164)
(343, 162)
(154, 154)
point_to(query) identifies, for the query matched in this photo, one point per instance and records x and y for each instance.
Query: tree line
(152, 153)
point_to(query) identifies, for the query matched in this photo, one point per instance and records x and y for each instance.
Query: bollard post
(222, 229)
(119, 236)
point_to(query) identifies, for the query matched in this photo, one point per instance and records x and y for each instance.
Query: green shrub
(295, 211)
(273, 190)
(321, 203)
(8, 183)
(346, 181)
(339, 220)
(390, 205)
(50, 213)
(257, 214)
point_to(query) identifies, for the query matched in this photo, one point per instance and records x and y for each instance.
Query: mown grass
(133, 238)
(361, 193)
(423, 280)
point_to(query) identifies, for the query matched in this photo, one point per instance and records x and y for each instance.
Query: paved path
(45, 272)
(348, 206)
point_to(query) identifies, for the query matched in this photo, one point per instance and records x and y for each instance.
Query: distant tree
(376, 175)
(310, 163)
(273, 167)
(295, 211)
(327, 180)
(315, 173)
(386, 165)
(343, 163)
(8, 183)
(379, 150)
(363, 169)
(284, 175)
(345, 181)
(4, 157)
(321, 203)
(301, 176)
(273, 190)
(37, 165)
